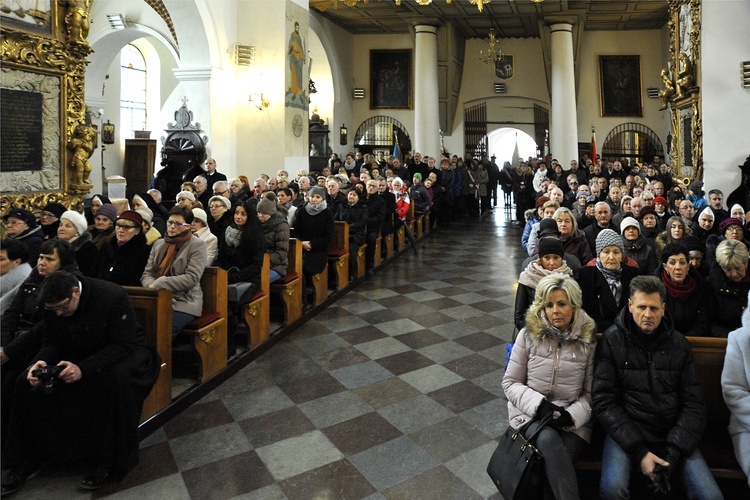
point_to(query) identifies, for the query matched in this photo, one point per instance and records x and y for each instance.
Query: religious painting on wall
(36, 16)
(620, 86)
(297, 67)
(504, 67)
(391, 79)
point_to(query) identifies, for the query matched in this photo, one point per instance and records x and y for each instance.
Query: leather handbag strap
(542, 424)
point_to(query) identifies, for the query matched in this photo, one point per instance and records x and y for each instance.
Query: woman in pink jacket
(550, 373)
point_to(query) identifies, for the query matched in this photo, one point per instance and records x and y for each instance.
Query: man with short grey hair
(603, 216)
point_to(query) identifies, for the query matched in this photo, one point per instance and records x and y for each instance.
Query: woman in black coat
(730, 282)
(354, 213)
(688, 300)
(313, 225)
(241, 250)
(123, 259)
(605, 285)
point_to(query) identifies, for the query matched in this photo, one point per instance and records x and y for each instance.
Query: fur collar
(585, 328)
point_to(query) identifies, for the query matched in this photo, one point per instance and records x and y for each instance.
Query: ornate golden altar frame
(681, 92)
(49, 57)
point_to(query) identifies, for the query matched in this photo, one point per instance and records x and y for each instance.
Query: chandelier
(494, 53)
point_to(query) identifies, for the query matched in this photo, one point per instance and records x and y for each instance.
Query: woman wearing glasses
(176, 263)
(123, 259)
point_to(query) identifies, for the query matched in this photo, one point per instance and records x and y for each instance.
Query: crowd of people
(602, 241)
(645, 261)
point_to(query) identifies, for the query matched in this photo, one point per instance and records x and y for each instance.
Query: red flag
(593, 146)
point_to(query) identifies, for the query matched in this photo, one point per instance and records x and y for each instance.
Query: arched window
(132, 91)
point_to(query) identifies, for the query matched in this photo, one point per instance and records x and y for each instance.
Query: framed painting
(620, 90)
(391, 79)
(36, 17)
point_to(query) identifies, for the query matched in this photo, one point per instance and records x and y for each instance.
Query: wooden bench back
(295, 257)
(410, 216)
(340, 236)
(153, 310)
(709, 353)
(214, 283)
(265, 274)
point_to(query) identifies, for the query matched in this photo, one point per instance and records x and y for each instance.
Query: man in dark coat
(375, 217)
(648, 398)
(603, 215)
(91, 412)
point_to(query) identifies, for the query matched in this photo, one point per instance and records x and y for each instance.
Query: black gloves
(564, 420)
(661, 479)
(546, 408)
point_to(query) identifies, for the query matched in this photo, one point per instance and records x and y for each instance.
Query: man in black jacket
(375, 217)
(648, 398)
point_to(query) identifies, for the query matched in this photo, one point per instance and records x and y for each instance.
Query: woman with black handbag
(550, 375)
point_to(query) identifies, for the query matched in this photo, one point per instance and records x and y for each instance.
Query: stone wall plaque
(20, 130)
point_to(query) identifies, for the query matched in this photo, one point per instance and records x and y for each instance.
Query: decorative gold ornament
(492, 55)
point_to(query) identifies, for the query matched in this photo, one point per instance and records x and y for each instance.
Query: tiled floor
(392, 392)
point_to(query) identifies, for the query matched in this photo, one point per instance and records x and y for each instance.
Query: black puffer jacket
(646, 393)
(642, 253)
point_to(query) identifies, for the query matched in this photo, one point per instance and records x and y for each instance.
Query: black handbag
(517, 466)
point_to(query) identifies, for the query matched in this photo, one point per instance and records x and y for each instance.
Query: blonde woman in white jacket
(550, 372)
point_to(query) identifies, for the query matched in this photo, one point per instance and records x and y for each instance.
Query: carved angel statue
(668, 91)
(77, 20)
(82, 145)
(684, 78)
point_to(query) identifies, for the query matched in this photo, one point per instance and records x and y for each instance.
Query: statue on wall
(668, 92)
(77, 20)
(684, 78)
(82, 146)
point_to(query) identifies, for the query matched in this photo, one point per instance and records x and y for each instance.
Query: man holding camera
(81, 398)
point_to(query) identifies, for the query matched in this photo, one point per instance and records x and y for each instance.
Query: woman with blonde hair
(730, 281)
(550, 374)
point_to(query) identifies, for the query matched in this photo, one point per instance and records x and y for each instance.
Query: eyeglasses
(47, 215)
(120, 225)
(175, 223)
(59, 307)
(12, 223)
(734, 229)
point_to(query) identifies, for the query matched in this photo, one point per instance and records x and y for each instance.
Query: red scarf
(678, 292)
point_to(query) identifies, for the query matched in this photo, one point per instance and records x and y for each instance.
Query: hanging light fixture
(494, 53)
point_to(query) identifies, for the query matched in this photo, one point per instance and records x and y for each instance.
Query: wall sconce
(258, 100)
(343, 133)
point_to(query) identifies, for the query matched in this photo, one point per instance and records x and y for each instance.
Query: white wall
(726, 106)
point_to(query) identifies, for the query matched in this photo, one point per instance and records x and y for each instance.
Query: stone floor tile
(298, 454)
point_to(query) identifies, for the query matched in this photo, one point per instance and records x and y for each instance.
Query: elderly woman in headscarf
(103, 229)
(123, 259)
(313, 225)
(144, 200)
(688, 300)
(176, 263)
(606, 283)
(73, 230)
(704, 225)
(730, 282)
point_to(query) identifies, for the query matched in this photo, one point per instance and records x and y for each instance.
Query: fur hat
(629, 222)
(77, 219)
(221, 199)
(547, 227)
(55, 208)
(608, 238)
(132, 216)
(731, 221)
(108, 210)
(319, 191)
(266, 206)
(185, 194)
(548, 246)
(200, 214)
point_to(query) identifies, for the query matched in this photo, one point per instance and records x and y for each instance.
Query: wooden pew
(412, 221)
(153, 309)
(338, 255)
(389, 245)
(208, 333)
(362, 260)
(426, 222)
(378, 255)
(257, 313)
(290, 286)
(320, 283)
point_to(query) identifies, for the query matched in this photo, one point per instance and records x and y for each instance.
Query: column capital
(425, 28)
(568, 18)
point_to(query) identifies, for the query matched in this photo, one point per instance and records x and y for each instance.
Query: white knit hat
(77, 219)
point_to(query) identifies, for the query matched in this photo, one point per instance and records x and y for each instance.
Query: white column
(563, 123)
(426, 113)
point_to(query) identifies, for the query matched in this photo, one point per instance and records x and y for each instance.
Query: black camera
(48, 375)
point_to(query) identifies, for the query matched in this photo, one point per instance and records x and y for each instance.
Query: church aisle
(392, 392)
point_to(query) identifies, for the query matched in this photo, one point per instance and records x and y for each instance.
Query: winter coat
(729, 301)
(691, 316)
(598, 300)
(124, 264)
(482, 178)
(642, 253)
(212, 243)
(243, 263)
(420, 197)
(647, 390)
(375, 213)
(101, 238)
(33, 239)
(356, 216)
(11, 282)
(735, 385)
(276, 232)
(578, 246)
(318, 230)
(184, 276)
(532, 218)
(390, 212)
(86, 253)
(543, 367)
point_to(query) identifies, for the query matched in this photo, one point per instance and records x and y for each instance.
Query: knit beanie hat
(220, 199)
(697, 188)
(418, 176)
(146, 214)
(608, 238)
(541, 201)
(662, 200)
(629, 222)
(319, 191)
(185, 194)
(108, 210)
(54, 208)
(132, 216)
(731, 221)
(549, 246)
(709, 212)
(547, 227)
(266, 206)
(77, 219)
(592, 200)
(200, 214)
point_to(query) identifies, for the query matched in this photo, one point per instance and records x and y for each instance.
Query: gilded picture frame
(391, 79)
(620, 92)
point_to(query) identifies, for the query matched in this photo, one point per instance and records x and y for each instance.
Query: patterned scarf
(172, 244)
(614, 279)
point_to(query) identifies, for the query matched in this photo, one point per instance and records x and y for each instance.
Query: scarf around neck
(315, 209)
(614, 279)
(233, 236)
(678, 292)
(534, 272)
(172, 243)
